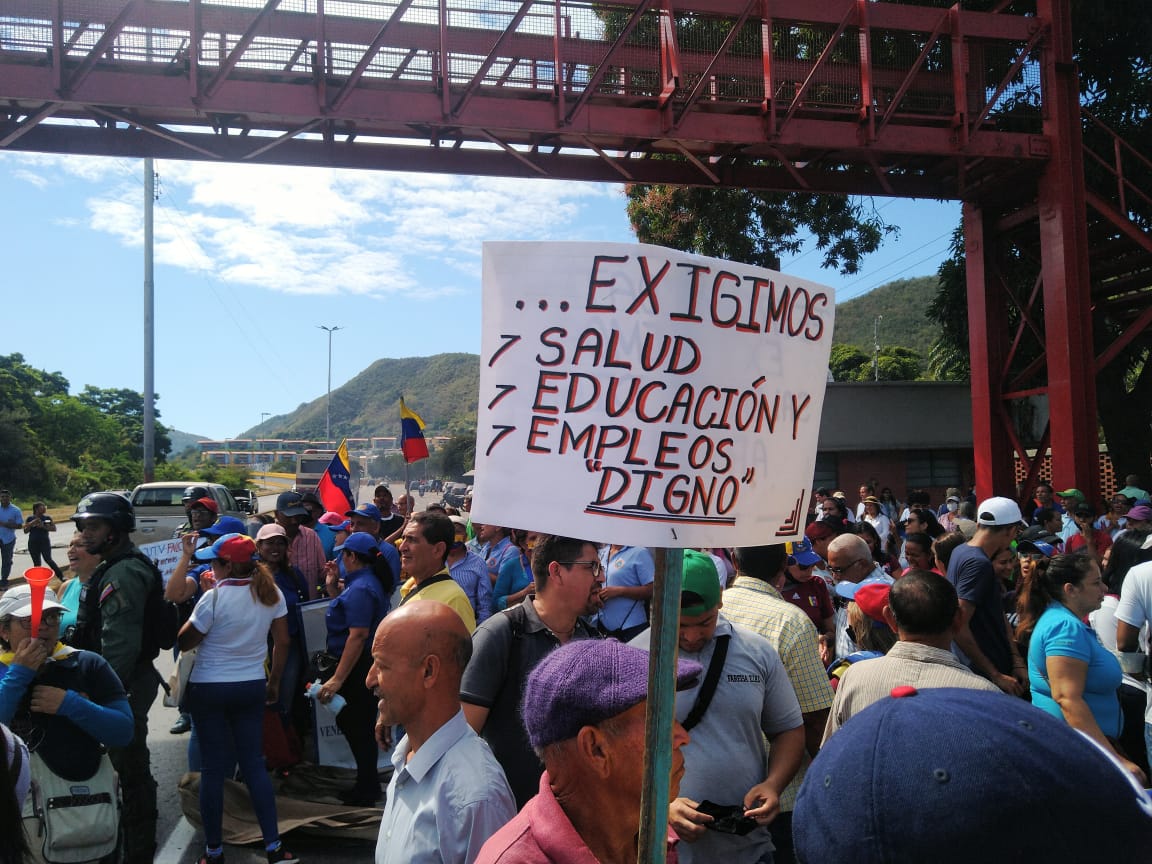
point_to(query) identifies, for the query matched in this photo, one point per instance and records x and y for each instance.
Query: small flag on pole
(412, 442)
(335, 487)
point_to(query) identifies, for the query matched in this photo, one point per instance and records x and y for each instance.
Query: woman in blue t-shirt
(1072, 676)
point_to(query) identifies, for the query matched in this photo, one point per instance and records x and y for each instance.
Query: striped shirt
(906, 664)
(758, 606)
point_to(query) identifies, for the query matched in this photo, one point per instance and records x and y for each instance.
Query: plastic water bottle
(335, 706)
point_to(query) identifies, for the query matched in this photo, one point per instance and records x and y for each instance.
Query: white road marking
(177, 843)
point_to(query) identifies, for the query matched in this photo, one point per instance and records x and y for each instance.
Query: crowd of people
(507, 672)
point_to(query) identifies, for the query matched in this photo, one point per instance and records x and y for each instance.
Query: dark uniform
(113, 620)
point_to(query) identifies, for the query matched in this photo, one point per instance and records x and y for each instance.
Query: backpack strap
(711, 679)
(443, 577)
(517, 619)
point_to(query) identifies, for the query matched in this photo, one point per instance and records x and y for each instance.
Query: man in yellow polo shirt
(423, 555)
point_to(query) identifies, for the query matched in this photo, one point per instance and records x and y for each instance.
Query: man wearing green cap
(1070, 499)
(745, 696)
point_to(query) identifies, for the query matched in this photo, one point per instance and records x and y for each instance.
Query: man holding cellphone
(727, 797)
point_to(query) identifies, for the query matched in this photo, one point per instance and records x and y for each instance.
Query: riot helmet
(194, 493)
(109, 506)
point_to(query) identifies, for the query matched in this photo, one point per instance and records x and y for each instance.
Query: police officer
(200, 508)
(116, 618)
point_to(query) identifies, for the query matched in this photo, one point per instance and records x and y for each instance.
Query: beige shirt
(907, 664)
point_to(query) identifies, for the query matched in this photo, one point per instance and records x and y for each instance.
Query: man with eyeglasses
(851, 565)
(508, 645)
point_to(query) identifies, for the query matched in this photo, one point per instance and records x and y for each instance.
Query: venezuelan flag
(412, 442)
(335, 488)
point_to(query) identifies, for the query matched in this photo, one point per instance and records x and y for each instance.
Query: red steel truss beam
(30, 122)
(1125, 339)
(602, 66)
(902, 90)
(987, 338)
(239, 48)
(1064, 265)
(367, 154)
(702, 81)
(798, 97)
(111, 32)
(501, 41)
(369, 54)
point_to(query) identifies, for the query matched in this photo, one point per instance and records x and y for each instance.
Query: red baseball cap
(872, 599)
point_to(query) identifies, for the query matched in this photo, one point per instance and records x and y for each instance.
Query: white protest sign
(329, 744)
(166, 555)
(638, 395)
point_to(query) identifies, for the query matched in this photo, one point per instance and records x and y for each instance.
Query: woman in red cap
(227, 689)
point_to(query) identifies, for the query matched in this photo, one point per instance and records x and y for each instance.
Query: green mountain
(442, 389)
(902, 304)
(183, 440)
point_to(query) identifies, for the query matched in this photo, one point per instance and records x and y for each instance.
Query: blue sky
(251, 260)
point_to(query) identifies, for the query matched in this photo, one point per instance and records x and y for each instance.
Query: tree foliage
(849, 363)
(57, 446)
(755, 227)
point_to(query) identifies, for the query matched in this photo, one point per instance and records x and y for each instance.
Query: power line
(843, 294)
(188, 237)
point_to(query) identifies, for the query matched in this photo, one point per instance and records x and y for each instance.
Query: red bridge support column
(1064, 266)
(987, 340)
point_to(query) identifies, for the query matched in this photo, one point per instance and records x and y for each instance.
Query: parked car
(159, 508)
(246, 500)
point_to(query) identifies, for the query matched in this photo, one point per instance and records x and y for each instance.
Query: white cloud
(58, 169)
(31, 177)
(319, 231)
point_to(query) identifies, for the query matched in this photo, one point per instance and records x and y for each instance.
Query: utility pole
(264, 415)
(149, 429)
(876, 348)
(328, 406)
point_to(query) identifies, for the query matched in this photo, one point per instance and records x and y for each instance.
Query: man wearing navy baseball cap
(583, 710)
(952, 776)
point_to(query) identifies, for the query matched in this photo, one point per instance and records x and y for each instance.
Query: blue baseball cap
(223, 525)
(370, 511)
(895, 785)
(361, 542)
(848, 590)
(800, 552)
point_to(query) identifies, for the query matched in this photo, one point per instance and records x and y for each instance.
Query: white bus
(311, 465)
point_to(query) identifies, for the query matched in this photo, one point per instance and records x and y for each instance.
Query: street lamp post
(328, 405)
(264, 415)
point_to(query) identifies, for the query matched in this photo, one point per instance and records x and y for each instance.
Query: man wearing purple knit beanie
(583, 710)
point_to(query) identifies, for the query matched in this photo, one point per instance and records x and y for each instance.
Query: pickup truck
(246, 500)
(160, 512)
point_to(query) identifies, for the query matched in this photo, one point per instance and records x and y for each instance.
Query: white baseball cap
(17, 601)
(998, 512)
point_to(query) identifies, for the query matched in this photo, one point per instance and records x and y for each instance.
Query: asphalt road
(178, 842)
